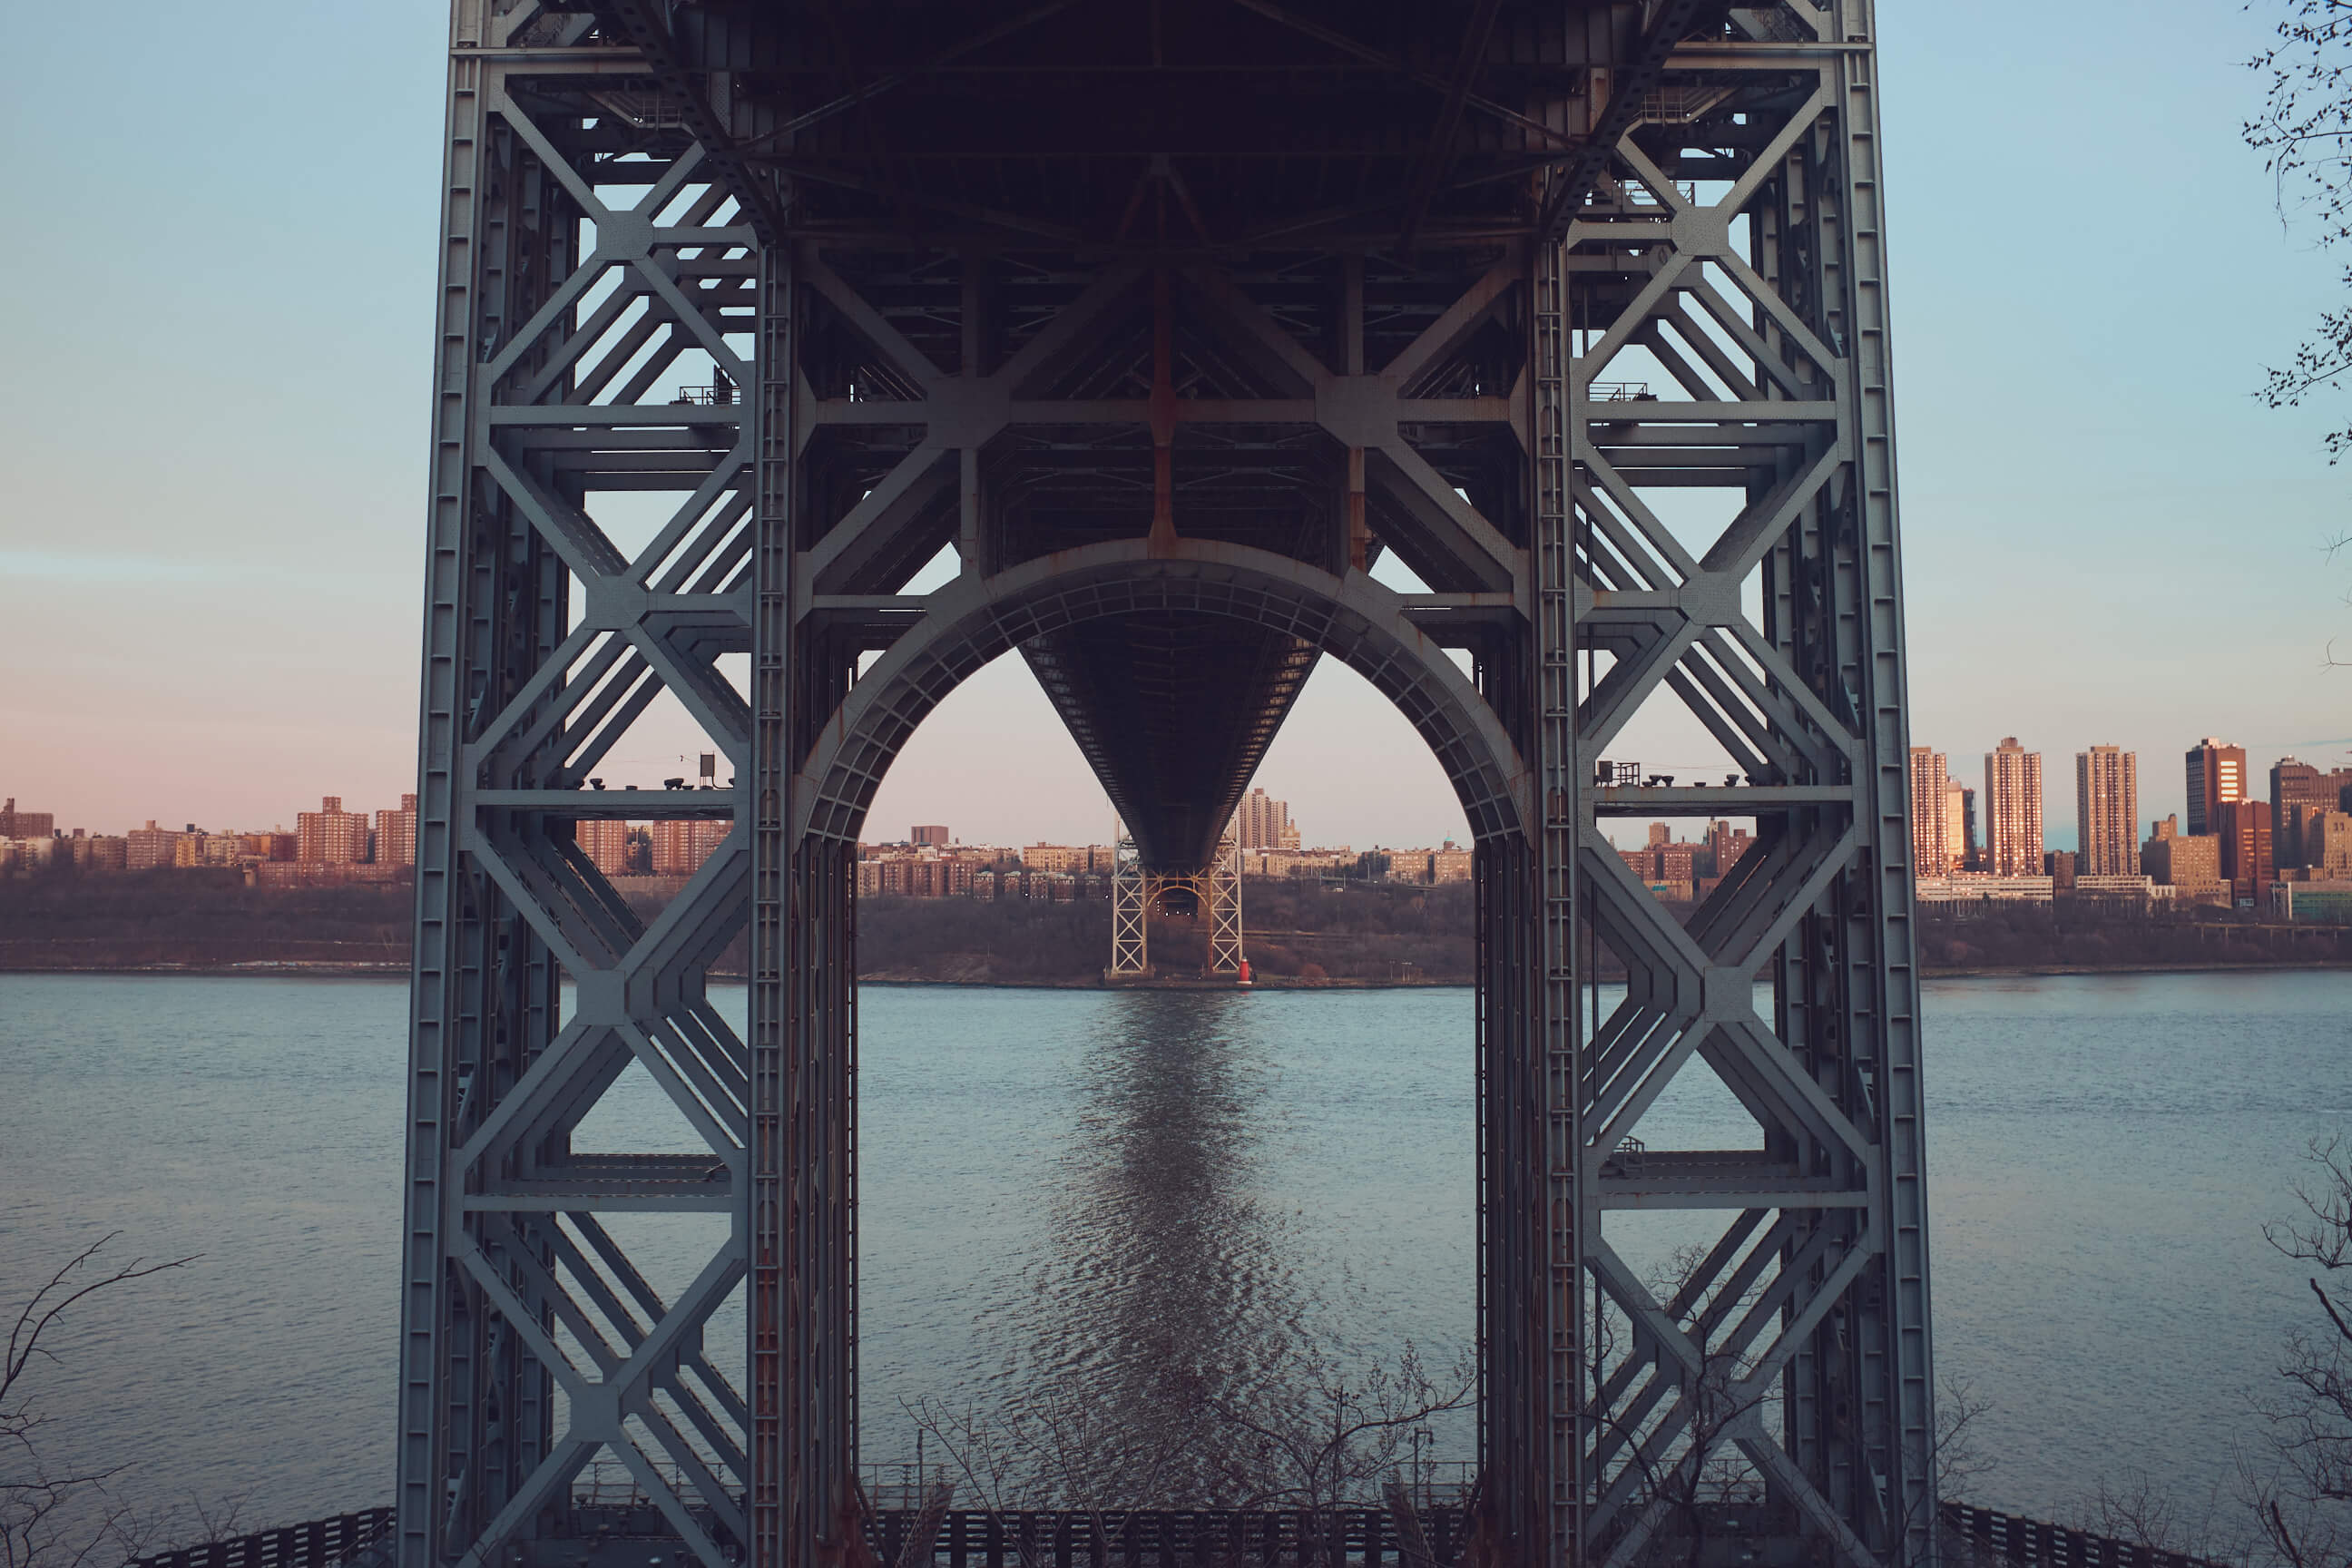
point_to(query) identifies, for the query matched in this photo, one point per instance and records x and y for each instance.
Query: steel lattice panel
(1141, 395)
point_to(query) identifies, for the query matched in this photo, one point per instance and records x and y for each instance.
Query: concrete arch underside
(975, 620)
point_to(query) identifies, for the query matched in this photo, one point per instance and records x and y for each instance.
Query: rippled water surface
(1127, 1194)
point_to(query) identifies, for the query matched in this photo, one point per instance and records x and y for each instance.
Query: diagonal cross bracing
(751, 310)
(531, 1339)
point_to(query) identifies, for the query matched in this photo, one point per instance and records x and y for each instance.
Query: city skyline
(253, 643)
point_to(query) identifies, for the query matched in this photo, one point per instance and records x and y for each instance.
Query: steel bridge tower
(1169, 324)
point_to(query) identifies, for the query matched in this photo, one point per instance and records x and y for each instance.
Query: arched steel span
(972, 621)
(1192, 313)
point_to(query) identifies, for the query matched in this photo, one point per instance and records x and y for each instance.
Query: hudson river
(1102, 1186)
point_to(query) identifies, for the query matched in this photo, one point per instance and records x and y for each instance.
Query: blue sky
(220, 296)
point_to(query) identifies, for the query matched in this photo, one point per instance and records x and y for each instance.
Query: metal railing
(1346, 1538)
(2007, 1538)
(977, 1538)
(321, 1543)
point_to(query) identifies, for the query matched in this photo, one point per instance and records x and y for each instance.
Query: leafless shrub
(55, 1515)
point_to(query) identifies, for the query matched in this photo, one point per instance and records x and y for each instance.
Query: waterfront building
(2330, 840)
(395, 833)
(25, 854)
(608, 844)
(14, 823)
(2058, 864)
(1725, 846)
(2243, 828)
(2106, 803)
(331, 836)
(1429, 867)
(2299, 793)
(1970, 860)
(2330, 902)
(1967, 888)
(682, 844)
(1930, 854)
(2013, 810)
(2217, 776)
(1055, 858)
(2175, 859)
(150, 848)
(99, 852)
(1262, 822)
(2119, 894)
(1955, 825)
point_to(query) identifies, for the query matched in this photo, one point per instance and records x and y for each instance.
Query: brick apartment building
(331, 836)
(14, 823)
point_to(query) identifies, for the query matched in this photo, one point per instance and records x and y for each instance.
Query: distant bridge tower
(1130, 911)
(1214, 893)
(1165, 324)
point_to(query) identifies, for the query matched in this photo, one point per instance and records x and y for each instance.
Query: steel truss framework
(1135, 893)
(1174, 437)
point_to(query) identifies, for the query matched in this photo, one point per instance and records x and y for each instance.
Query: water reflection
(1166, 1290)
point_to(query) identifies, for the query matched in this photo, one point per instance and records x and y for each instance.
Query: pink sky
(211, 479)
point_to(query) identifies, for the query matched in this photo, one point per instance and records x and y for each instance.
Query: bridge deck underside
(1174, 710)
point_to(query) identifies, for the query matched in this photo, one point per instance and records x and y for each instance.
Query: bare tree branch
(50, 1520)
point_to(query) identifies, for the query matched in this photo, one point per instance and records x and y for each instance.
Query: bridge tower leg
(1732, 525)
(1130, 911)
(1223, 896)
(1637, 443)
(592, 334)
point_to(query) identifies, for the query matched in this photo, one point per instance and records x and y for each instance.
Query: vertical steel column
(1221, 890)
(1560, 785)
(1130, 909)
(475, 1411)
(1733, 250)
(774, 756)
(532, 1344)
(1897, 1388)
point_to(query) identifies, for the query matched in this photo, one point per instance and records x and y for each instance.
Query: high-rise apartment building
(1262, 822)
(1930, 852)
(2172, 857)
(14, 823)
(1725, 846)
(2300, 794)
(2107, 804)
(933, 834)
(606, 844)
(146, 848)
(395, 833)
(331, 836)
(2012, 801)
(682, 844)
(2216, 776)
(1969, 858)
(1955, 825)
(2329, 845)
(2244, 828)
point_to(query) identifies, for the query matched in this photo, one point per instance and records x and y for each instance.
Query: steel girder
(1136, 894)
(1735, 252)
(586, 256)
(1340, 401)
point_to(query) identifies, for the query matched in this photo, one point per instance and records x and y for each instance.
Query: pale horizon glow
(213, 531)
